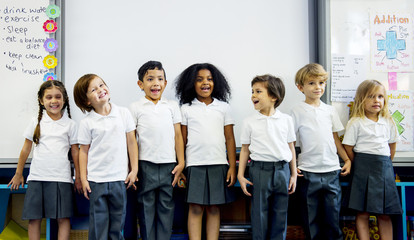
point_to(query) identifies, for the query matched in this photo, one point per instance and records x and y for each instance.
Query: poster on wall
(348, 71)
(392, 35)
(400, 105)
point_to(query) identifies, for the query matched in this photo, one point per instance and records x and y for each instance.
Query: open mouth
(205, 89)
(255, 102)
(102, 95)
(155, 91)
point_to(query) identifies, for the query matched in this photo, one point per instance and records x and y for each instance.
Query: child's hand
(231, 176)
(346, 169)
(131, 179)
(177, 173)
(86, 189)
(78, 185)
(299, 172)
(16, 181)
(292, 184)
(243, 184)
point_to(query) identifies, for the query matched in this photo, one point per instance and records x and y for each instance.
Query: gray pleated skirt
(48, 200)
(206, 185)
(373, 188)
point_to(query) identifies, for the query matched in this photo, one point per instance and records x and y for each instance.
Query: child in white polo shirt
(267, 137)
(207, 129)
(107, 139)
(160, 145)
(370, 140)
(317, 126)
(49, 184)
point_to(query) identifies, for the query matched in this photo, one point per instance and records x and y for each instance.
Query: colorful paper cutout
(53, 11)
(49, 77)
(50, 26)
(50, 61)
(392, 81)
(392, 41)
(50, 45)
(400, 106)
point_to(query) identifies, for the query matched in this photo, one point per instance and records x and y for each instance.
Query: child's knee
(363, 215)
(196, 209)
(213, 210)
(383, 218)
(63, 221)
(35, 221)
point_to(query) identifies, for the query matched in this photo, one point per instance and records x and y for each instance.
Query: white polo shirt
(314, 127)
(106, 135)
(371, 137)
(155, 129)
(268, 136)
(50, 157)
(206, 144)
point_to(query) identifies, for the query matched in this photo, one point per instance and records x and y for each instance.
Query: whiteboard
(21, 69)
(350, 35)
(242, 38)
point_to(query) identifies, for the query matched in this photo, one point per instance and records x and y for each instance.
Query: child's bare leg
(64, 228)
(385, 227)
(213, 222)
(362, 225)
(34, 229)
(195, 220)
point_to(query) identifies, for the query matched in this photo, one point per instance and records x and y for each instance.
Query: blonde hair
(364, 90)
(311, 70)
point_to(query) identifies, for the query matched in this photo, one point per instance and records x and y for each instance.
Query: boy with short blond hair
(317, 125)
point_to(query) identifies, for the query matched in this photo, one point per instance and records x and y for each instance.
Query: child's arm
(297, 169)
(74, 149)
(346, 169)
(293, 171)
(18, 179)
(184, 134)
(231, 154)
(132, 146)
(350, 151)
(244, 157)
(179, 151)
(393, 147)
(83, 163)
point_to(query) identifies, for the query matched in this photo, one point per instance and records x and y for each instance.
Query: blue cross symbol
(391, 44)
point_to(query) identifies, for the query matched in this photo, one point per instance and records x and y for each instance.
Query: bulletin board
(30, 45)
(373, 39)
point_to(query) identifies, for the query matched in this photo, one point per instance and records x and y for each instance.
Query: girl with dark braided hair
(49, 187)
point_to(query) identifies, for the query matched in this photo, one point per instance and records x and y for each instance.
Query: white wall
(243, 38)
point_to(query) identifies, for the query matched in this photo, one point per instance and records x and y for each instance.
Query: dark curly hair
(184, 85)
